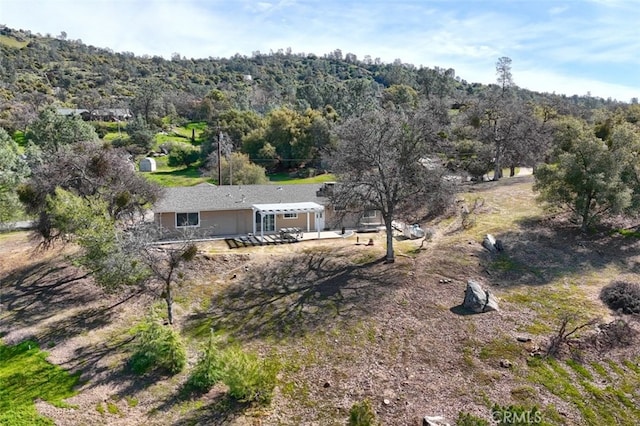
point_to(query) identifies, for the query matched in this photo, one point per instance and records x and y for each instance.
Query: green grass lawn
(185, 131)
(170, 137)
(283, 178)
(179, 176)
(178, 134)
(183, 134)
(176, 176)
(115, 135)
(25, 375)
(172, 176)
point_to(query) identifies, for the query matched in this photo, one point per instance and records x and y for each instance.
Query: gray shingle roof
(207, 197)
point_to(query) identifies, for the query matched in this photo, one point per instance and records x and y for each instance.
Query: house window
(368, 214)
(290, 215)
(187, 219)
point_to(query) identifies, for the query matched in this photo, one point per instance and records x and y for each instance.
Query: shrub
(567, 335)
(101, 131)
(466, 419)
(249, 378)
(622, 296)
(182, 154)
(142, 139)
(120, 142)
(140, 134)
(362, 414)
(615, 334)
(157, 347)
(130, 147)
(209, 370)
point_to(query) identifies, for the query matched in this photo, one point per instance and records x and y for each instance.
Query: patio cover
(280, 208)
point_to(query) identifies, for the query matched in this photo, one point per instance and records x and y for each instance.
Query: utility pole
(220, 159)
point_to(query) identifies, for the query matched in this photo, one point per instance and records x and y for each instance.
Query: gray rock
(489, 242)
(478, 300)
(435, 421)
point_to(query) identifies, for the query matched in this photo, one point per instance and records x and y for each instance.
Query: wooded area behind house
(282, 111)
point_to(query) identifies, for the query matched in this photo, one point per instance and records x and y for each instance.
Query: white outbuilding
(147, 165)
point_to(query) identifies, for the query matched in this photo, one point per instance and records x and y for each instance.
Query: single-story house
(258, 209)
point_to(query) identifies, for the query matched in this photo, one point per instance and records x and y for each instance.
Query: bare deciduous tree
(386, 161)
(566, 336)
(516, 135)
(164, 265)
(119, 257)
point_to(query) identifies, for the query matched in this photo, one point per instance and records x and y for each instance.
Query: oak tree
(87, 169)
(386, 160)
(51, 131)
(585, 175)
(119, 258)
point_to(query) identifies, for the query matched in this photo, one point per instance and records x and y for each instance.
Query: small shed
(147, 165)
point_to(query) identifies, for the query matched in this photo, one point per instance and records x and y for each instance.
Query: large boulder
(478, 300)
(490, 243)
(435, 421)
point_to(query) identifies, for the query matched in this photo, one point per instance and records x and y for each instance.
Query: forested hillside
(37, 70)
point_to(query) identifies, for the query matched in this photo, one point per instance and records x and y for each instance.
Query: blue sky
(570, 47)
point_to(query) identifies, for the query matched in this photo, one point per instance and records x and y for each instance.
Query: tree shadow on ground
(222, 410)
(34, 297)
(490, 185)
(37, 292)
(541, 251)
(52, 302)
(298, 293)
(88, 358)
(70, 326)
